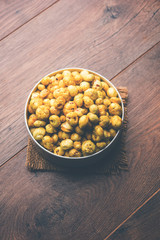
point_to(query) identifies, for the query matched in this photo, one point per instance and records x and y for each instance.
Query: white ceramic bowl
(74, 161)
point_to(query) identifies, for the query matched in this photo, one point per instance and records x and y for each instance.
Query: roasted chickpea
(75, 137)
(55, 138)
(105, 86)
(84, 86)
(44, 93)
(115, 109)
(84, 73)
(50, 129)
(78, 78)
(59, 151)
(42, 112)
(79, 130)
(111, 92)
(73, 90)
(106, 102)
(62, 118)
(98, 130)
(39, 133)
(112, 132)
(63, 135)
(50, 96)
(87, 101)
(88, 77)
(54, 111)
(74, 153)
(58, 76)
(100, 94)
(59, 102)
(31, 120)
(39, 123)
(69, 80)
(45, 81)
(83, 121)
(54, 121)
(102, 110)
(64, 92)
(101, 145)
(116, 122)
(62, 84)
(40, 87)
(78, 101)
(104, 121)
(96, 138)
(66, 144)
(88, 147)
(66, 73)
(97, 85)
(30, 110)
(47, 142)
(66, 127)
(72, 118)
(77, 145)
(93, 109)
(35, 95)
(69, 107)
(99, 101)
(93, 118)
(53, 102)
(81, 111)
(46, 101)
(32, 130)
(115, 100)
(36, 102)
(92, 93)
(107, 135)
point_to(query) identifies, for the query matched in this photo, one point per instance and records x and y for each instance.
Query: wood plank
(108, 39)
(144, 224)
(15, 13)
(43, 205)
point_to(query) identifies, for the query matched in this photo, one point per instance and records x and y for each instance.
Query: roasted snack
(74, 113)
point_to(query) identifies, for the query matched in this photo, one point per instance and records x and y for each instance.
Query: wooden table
(120, 40)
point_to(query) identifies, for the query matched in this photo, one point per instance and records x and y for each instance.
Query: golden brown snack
(74, 153)
(54, 121)
(72, 118)
(42, 112)
(71, 109)
(66, 144)
(83, 121)
(116, 122)
(88, 147)
(39, 133)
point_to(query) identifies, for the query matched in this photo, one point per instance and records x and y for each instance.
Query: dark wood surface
(15, 13)
(120, 40)
(140, 225)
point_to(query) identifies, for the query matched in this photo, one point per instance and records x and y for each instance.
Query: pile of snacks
(74, 114)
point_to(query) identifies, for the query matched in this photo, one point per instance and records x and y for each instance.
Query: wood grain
(15, 13)
(103, 36)
(144, 224)
(89, 207)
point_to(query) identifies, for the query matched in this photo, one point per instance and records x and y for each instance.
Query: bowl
(74, 161)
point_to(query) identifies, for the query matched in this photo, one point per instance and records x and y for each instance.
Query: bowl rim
(72, 69)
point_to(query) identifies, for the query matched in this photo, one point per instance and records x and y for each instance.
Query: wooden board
(41, 205)
(144, 224)
(103, 36)
(15, 13)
